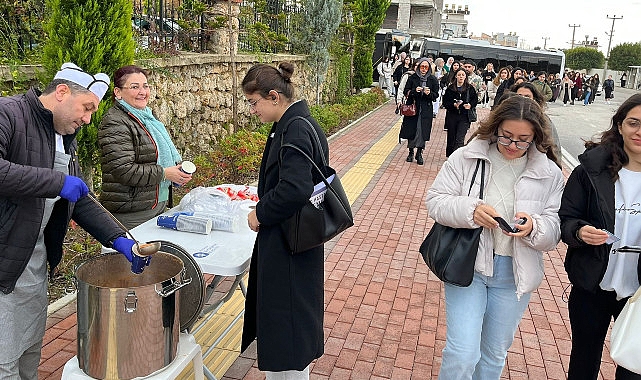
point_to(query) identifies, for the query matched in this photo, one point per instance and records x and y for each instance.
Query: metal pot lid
(192, 296)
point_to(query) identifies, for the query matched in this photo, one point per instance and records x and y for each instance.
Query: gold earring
(275, 102)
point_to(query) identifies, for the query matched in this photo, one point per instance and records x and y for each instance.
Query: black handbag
(450, 252)
(471, 113)
(312, 226)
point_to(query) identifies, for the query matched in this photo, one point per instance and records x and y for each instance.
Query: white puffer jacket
(537, 192)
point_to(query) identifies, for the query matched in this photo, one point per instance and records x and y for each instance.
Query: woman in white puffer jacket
(524, 180)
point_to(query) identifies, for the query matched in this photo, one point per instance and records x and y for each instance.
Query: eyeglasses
(506, 141)
(631, 123)
(136, 87)
(252, 103)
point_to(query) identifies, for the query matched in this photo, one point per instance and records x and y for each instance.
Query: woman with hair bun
(284, 304)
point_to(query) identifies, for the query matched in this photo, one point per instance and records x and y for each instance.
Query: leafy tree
(20, 30)
(97, 36)
(320, 19)
(584, 58)
(368, 18)
(624, 55)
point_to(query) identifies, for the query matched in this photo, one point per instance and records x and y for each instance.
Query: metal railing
(20, 28)
(267, 26)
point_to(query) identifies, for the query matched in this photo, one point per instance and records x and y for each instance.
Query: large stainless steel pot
(128, 324)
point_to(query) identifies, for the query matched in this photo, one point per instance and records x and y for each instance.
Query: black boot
(410, 157)
(419, 156)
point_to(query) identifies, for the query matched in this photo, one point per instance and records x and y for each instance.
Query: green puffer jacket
(130, 174)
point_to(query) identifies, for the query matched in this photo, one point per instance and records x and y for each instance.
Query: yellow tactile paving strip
(219, 334)
(359, 176)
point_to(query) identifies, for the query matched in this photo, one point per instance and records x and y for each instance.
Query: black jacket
(588, 199)
(284, 305)
(27, 177)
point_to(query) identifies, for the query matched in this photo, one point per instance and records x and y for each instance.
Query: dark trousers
(457, 126)
(590, 316)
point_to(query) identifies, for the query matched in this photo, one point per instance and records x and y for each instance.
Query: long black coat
(424, 108)
(284, 305)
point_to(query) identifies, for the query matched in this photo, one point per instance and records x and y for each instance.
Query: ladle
(147, 249)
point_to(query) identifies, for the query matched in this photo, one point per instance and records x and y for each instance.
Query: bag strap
(327, 184)
(480, 163)
(316, 138)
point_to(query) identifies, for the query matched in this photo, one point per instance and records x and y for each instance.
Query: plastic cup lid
(188, 167)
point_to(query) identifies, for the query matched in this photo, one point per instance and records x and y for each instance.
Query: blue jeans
(588, 93)
(481, 321)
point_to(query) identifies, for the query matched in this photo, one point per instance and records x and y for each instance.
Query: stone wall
(194, 94)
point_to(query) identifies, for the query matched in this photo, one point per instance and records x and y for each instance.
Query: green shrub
(236, 159)
(326, 118)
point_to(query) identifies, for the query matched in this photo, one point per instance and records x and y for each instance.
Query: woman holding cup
(139, 160)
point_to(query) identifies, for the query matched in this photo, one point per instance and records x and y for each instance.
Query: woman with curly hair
(524, 181)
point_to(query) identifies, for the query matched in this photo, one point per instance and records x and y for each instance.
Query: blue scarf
(167, 154)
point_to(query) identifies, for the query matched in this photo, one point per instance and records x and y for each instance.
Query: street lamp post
(545, 42)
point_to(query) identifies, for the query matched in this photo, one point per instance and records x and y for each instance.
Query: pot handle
(174, 285)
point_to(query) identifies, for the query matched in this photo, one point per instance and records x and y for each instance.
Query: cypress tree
(368, 18)
(321, 19)
(97, 36)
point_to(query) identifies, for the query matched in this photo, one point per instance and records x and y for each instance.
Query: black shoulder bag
(314, 225)
(450, 252)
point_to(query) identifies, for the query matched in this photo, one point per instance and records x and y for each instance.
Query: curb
(60, 303)
(568, 160)
(346, 128)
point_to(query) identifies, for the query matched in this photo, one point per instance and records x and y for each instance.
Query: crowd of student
(520, 144)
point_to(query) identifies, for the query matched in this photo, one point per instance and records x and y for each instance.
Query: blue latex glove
(73, 189)
(124, 246)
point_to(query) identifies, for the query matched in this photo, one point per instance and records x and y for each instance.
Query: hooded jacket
(27, 152)
(537, 192)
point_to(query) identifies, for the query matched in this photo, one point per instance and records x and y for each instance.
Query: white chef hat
(98, 84)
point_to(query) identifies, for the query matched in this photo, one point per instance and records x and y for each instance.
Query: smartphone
(505, 226)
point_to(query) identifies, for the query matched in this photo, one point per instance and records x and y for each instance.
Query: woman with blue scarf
(139, 160)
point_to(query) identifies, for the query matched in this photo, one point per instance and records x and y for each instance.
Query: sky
(533, 20)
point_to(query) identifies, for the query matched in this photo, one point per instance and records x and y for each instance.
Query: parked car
(150, 30)
(164, 25)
